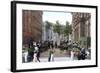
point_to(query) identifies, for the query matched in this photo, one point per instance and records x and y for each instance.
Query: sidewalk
(56, 59)
(57, 53)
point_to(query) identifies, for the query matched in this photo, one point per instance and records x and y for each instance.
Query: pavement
(57, 59)
(57, 53)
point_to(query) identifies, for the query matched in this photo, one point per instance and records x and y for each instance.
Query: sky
(62, 17)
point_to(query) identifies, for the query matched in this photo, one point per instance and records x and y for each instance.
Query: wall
(5, 36)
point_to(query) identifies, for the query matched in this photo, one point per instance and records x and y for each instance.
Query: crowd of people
(31, 53)
(81, 55)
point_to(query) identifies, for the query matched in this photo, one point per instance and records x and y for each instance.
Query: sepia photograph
(50, 36)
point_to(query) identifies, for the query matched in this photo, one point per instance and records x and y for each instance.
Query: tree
(67, 30)
(48, 25)
(57, 28)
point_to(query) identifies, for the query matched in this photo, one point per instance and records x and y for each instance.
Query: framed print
(47, 36)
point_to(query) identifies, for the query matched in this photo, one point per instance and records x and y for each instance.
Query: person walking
(25, 53)
(38, 52)
(35, 52)
(72, 55)
(26, 56)
(51, 56)
(83, 54)
(38, 56)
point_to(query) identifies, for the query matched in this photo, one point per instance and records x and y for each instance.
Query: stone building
(81, 27)
(32, 26)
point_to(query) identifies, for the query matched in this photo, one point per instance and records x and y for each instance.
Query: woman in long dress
(35, 53)
(51, 56)
(26, 55)
(72, 55)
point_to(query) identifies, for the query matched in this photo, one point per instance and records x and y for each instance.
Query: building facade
(32, 26)
(48, 34)
(81, 27)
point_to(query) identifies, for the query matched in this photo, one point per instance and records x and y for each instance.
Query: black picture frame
(14, 34)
